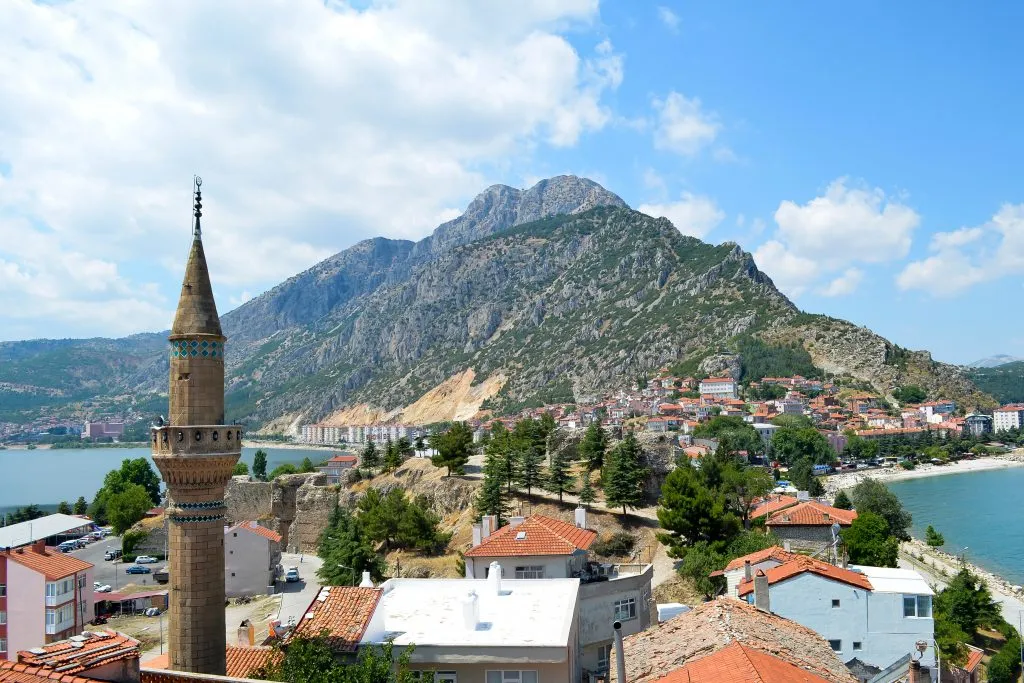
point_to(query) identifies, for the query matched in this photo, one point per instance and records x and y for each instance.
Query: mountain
(1004, 381)
(555, 293)
(993, 361)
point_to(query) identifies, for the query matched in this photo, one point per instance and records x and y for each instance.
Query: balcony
(53, 629)
(59, 599)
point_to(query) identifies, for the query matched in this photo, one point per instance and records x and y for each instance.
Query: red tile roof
(537, 535)
(738, 663)
(772, 504)
(344, 458)
(242, 662)
(51, 563)
(781, 555)
(974, 656)
(255, 528)
(812, 513)
(803, 565)
(86, 652)
(343, 612)
(11, 672)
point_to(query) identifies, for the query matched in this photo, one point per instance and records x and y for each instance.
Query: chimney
(366, 582)
(513, 522)
(494, 578)
(761, 597)
(486, 526)
(39, 546)
(477, 534)
(915, 671)
(747, 574)
(246, 634)
(581, 517)
(620, 655)
(785, 546)
(471, 611)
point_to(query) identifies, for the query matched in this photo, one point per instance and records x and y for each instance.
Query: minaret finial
(197, 231)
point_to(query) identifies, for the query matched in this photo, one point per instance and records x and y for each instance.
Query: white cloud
(845, 284)
(682, 126)
(741, 220)
(693, 215)
(757, 226)
(790, 273)
(669, 18)
(969, 256)
(315, 124)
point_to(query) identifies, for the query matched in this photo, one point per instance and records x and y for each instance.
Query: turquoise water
(46, 477)
(983, 511)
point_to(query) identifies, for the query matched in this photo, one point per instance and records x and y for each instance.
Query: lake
(978, 510)
(47, 476)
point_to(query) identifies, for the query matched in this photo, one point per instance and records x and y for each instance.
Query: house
(45, 596)
(937, 411)
(252, 559)
(771, 504)
(464, 630)
(713, 626)
(875, 615)
(744, 567)
(977, 425)
(543, 548)
(658, 425)
(719, 387)
(739, 663)
(766, 431)
(1008, 417)
(808, 525)
(337, 468)
(100, 655)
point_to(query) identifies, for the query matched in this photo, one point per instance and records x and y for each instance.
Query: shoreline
(834, 483)
(246, 443)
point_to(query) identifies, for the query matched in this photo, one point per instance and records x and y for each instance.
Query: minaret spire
(197, 230)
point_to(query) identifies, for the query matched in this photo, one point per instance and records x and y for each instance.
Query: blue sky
(865, 154)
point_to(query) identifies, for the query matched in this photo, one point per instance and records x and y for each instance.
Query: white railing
(59, 599)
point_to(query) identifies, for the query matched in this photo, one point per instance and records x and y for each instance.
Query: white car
(98, 587)
(145, 559)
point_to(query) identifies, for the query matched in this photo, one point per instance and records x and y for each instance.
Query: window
(835, 604)
(857, 645)
(531, 572)
(3, 590)
(919, 606)
(511, 677)
(51, 617)
(604, 657)
(3, 617)
(3, 645)
(836, 645)
(624, 609)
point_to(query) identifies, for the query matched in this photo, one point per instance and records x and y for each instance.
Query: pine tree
(593, 446)
(453, 448)
(586, 490)
(259, 465)
(81, 506)
(624, 478)
(558, 478)
(491, 499)
(64, 508)
(529, 460)
(392, 456)
(371, 456)
(842, 501)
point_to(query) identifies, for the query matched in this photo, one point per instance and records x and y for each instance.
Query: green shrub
(619, 544)
(907, 464)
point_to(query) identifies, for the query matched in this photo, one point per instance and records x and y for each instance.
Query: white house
(1008, 417)
(744, 567)
(719, 387)
(872, 614)
(252, 559)
(540, 547)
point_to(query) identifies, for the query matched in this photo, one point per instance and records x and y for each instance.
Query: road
(296, 597)
(112, 573)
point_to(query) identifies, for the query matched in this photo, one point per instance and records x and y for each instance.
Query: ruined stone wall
(249, 500)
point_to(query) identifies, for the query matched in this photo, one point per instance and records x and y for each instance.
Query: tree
(910, 394)
(492, 499)
(842, 501)
(860, 448)
(240, 469)
(283, 469)
(744, 487)
(967, 603)
(137, 471)
(453, 448)
(259, 465)
(586, 490)
(501, 456)
(313, 660)
(624, 478)
(307, 465)
(791, 443)
(691, 512)
(81, 506)
(421, 443)
(869, 542)
(128, 507)
(593, 446)
(397, 522)
(370, 456)
(933, 538)
(392, 456)
(64, 508)
(404, 448)
(699, 562)
(801, 474)
(558, 479)
(732, 433)
(871, 495)
(346, 552)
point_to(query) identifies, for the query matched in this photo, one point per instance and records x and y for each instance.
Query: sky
(868, 155)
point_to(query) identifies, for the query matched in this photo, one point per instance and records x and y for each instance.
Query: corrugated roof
(738, 663)
(536, 535)
(803, 565)
(24, 533)
(343, 612)
(51, 563)
(812, 513)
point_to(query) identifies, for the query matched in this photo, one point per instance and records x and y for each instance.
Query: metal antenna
(197, 230)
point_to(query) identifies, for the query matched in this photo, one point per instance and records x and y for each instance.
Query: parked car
(152, 612)
(291, 575)
(111, 555)
(81, 542)
(100, 587)
(67, 546)
(137, 569)
(145, 559)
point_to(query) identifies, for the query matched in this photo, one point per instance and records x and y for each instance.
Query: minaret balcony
(196, 440)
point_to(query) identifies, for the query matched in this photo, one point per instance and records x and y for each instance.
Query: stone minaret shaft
(196, 453)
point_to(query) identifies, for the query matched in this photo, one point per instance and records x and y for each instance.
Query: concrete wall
(248, 559)
(477, 673)
(597, 612)
(555, 566)
(26, 609)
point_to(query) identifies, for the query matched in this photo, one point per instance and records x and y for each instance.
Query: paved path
(295, 597)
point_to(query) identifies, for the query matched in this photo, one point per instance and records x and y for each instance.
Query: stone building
(196, 453)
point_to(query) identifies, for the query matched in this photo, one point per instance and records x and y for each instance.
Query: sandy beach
(845, 480)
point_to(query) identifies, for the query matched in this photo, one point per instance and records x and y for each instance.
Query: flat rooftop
(432, 612)
(889, 580)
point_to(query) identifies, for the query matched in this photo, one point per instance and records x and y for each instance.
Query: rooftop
(888, 580)
(79, 653)
(24, 533)
(812, 513)
(711, 626)
(50, 562)
(738, 663)
(804, 565)
(255, 528)
(432, 612)
(776, 553)
(536, 535)
(242, 661)
(343, 612)
(772, 504)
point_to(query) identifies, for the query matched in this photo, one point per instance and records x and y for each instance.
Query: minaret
(196, 453)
